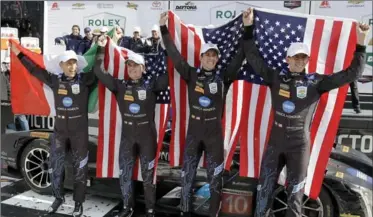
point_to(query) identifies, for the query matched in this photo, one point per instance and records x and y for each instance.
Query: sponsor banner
(60, 16)
(203, 13)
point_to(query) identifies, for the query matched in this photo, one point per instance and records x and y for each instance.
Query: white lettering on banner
(366, 142)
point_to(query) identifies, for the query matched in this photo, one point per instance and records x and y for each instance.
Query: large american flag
(332, 42)
(188, 40)
(110, 120)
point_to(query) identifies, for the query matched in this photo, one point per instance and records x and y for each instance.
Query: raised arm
(356, 68)
(180, 63)
(251, 52)
(34, 69)
(106, 79)
(231, 72)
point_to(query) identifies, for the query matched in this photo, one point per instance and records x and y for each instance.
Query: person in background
(154, 43)
(136, 43)
(86, 43)
(71, 41)
(355, 97)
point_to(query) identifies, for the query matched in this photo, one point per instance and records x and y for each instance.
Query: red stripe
(183, 92)
(135, 170)
(171, 71)
(235, 94)
(315, 47)
(197, 47)
(336, 115)
(100, 148)
(107, 54)
(244, 144)
(163, 114)
(257, 129)
(125, 56)
(113, 118)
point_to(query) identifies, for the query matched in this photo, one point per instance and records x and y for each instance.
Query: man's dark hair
(76, 27)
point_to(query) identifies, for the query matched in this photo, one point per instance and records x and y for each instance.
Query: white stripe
(200, 34)
(118, 128)
(324, 45)
(251, 129)
(228, 121)
(265, 123)
(238, 111)
(308, 34)
(107, 98)
(326, 118)
(48, 93)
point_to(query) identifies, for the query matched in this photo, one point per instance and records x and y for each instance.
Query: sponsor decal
(78, 6)
(55, 6)
(284, 93)
(67, 101)
(324, 4)
(42, 135)
(129, 98)
(156, 5)
(105, 6)
(204, 101)
(134, 108)
(62, 92)
(301, 92)
(97, 21)
(292, 4)
(288, 106)
(188, 6)
(132, 5)
(141, 94)
(355, 3)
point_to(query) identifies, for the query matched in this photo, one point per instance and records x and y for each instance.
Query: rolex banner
(60, 16)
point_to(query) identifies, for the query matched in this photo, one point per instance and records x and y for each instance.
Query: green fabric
(90, 57)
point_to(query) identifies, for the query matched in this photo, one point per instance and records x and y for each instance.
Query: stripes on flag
(110, 120)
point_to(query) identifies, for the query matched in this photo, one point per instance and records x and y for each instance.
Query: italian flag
(33, 97)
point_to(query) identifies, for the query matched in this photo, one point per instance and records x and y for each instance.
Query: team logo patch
(302, 92)
(67, 101)
(75, 88)
(141, 94)
(288, 106)
(204, 101)
(134, 108)
(213, 87)
(129, 98)
(62, 92)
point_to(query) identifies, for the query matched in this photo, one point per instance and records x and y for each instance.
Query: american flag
(188, 40)
(332, 42)
(110, 120)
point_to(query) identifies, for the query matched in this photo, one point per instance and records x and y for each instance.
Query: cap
(67, 55)
(297, 48)
(209, 46)
(104, 29)
(137, 58)
(155, 28)
(87, 29)
(137, 29)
